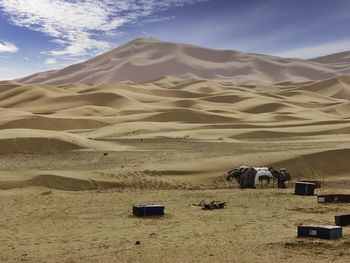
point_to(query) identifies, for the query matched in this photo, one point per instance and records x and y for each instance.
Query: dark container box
(342, 220)
(333, 198)
(304, 188)
(148, 210)
(325, 232)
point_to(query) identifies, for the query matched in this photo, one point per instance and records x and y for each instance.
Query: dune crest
(146, 59)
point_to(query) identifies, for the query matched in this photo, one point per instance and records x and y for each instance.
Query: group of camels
(251, 177)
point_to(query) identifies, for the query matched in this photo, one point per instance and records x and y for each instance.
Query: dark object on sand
(333, 198)
(247, 179)
(317, 183)
(148, 210)
(138, 242)
(342, 220)
(235, 173)
(282, 176)
(105, 154)
(303, 188)
(325, 232)
(211, 205)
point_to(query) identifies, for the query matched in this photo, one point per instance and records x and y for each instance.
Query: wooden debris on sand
(211, 205)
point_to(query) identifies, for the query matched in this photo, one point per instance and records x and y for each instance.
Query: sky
(41, 35)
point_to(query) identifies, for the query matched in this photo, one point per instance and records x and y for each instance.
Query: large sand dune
(145, 59)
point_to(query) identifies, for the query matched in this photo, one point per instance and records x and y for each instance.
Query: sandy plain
(75, 158)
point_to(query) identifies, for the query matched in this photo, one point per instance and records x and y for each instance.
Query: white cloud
(316, 51)
(80, 26)
(8, 47)
(50, 61)
(26, 58)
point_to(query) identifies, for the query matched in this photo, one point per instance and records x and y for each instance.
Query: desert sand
(78, 150)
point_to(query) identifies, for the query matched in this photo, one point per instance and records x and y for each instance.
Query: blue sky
(39, 35)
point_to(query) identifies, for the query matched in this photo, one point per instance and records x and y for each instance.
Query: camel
(235, 173)
(263, 174)
(282, 177)
(250, 177)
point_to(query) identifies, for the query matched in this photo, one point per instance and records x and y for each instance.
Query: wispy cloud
(50, 61)
(7, 47)
(317, 50)
(82, 26)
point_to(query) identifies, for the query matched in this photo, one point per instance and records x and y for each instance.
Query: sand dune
(190, 116)
(47, 123)
(57, 182)
(43, 118)
(199, 104)
(335, 88)
(87, 180)
(42, 141)
(319, 165)
(146, 59)
(338, 58)
(300, 120)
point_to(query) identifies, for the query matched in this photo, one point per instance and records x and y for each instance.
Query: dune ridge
(145, 59)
